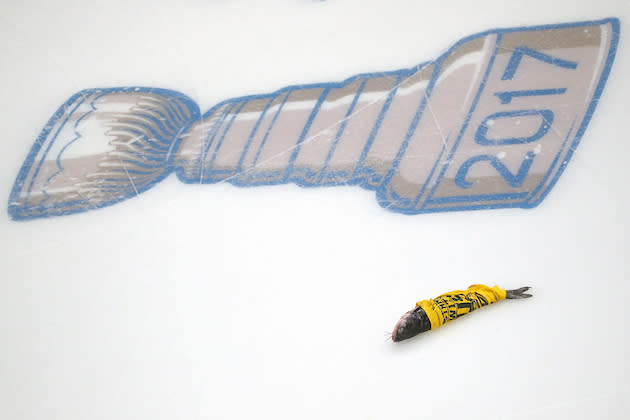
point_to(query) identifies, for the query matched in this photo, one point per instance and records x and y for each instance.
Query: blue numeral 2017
(547, 117)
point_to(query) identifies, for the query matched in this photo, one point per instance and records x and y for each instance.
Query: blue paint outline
(18, 211)
(429, 200)
(541, 185)
(209, 171)
(266, 136)
(208, 140)
(515, 180)
(521, 51)
(248, 143)
(547, 118)
(480, 197)
(307, 127)
(371, 178)
(362, 176)
(614, 40)
(333, 147)
(382, 194)
(506, 96)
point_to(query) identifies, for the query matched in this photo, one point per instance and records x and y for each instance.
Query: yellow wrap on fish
(451, 305)
(432, 313)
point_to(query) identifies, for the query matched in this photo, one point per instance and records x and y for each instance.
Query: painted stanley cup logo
(491, 123)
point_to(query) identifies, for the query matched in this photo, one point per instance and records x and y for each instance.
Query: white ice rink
(219, 302)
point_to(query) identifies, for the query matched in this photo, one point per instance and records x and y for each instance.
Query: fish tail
(518, 293)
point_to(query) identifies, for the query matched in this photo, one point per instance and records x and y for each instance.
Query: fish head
(411, 324)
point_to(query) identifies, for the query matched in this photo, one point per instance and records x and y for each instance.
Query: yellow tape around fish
(433, 313)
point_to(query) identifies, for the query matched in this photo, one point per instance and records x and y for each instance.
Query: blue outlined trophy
(491, 123)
